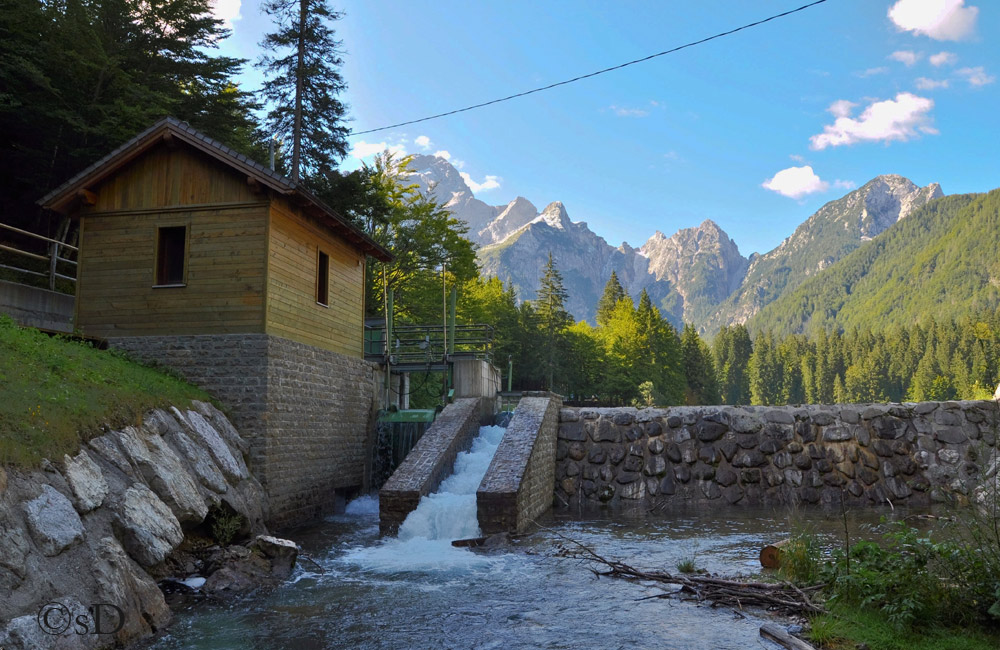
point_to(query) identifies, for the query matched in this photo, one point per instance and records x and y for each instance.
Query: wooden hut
(196, 257)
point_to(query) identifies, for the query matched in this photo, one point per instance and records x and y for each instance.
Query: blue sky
(755, 131)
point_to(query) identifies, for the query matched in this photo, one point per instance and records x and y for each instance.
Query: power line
(594, 74)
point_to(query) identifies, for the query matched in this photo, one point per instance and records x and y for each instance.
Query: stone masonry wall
(321, 409)
(902, 453)
(307, 413)
(519, 483)
(427, 464)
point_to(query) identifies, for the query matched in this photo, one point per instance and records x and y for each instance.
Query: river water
(417, 591)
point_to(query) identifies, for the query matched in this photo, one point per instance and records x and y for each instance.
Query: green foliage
(847, 627)
(699, 369)
(800, 559)
(936, 261)
(421, 234)
(225, 524)
(79, 77)
(613, 293)
(56, 393)
(688, 566)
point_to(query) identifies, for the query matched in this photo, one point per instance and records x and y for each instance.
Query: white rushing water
(424, 540)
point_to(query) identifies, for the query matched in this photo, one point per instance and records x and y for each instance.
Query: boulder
(121, 582)
(164, 472)
(233, 466)
(14, 549)
(85, 480)
(53, 522)
(281, 552)
(146, 526)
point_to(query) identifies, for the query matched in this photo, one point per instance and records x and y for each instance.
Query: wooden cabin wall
(292, 310)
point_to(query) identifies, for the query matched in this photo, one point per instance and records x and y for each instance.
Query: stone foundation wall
(519, 483)
(307, 413)
(429, 462)
(902, 453)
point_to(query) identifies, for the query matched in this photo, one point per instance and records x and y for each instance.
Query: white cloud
(902, 118)
(623, 111)
(942, 20)
(797, 158)
(423, 142)
(906, 57)
(796, 182)
(489, 183)
(844, 185)
(227, 11)
(943, 58)
(841, 108)
(871, 72)
(362, 149)
(443, 154)
(976, 76)
(923, 83)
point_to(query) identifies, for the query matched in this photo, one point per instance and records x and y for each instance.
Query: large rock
(164, 472)
(122, 583)
(231, 465)
(25, 632)
(85, 480)
(201, 462)
(281, 552)
(14, 548)
(53, 522)
(146, 527)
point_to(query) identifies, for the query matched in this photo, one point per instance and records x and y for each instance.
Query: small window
(170, 255)
(323, 279)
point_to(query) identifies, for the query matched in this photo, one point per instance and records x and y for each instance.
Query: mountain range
(696, 275)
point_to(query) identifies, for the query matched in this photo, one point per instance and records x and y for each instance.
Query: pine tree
(613, 292)
(302, 67)
(553, 319)
(699, 369)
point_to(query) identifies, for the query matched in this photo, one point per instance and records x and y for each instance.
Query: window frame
(322, 294)
(159, 252)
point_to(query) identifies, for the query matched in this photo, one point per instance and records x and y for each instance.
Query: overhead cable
(594, 74)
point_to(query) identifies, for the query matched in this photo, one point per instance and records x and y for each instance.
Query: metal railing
(52, 259)
(421, 344)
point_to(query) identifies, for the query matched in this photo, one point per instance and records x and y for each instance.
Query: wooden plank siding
(292, 310)
(225, 271)
(166, 177)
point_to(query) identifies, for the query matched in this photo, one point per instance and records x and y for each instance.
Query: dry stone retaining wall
(306, 412)
(913, 453)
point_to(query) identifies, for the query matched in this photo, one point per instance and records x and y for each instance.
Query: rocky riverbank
(84, 539)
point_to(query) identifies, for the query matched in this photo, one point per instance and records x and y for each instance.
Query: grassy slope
(55, 393)
(941, 261)
(845, 628)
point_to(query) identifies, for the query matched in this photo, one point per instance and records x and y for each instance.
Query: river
(417, 591)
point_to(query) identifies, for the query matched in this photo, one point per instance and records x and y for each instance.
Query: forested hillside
(943, 261)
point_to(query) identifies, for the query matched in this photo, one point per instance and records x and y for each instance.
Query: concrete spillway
(518, 485)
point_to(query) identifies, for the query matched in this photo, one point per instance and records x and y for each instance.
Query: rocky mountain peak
(554, 215)
(514, 215)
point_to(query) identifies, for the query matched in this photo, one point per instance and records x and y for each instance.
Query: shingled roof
(63, 198)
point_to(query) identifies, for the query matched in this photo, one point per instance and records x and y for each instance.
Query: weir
(518, 485)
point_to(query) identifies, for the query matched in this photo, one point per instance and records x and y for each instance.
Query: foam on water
(424, 540)
(363, 505)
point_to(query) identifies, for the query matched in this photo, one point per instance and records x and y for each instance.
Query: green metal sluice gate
(396, 434)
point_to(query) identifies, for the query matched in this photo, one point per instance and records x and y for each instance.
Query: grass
(56, 393)
(847, 626)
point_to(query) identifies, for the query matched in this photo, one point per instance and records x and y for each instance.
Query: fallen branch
(784, 597)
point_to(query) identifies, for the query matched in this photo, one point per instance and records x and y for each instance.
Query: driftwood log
(770, 555)
(781, 636)
(783, 597)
